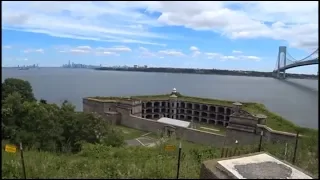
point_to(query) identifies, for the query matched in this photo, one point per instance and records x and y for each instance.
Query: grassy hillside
(100, 161)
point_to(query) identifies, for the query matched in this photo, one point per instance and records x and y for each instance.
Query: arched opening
(189, 105)
(149, 104)
(213, 116)
(203, 120)
(221, 110)
(204, 107)
(156, 104)
(204, 114)
(228, 111)
(212, 109)
(220, 117)
(212, 122)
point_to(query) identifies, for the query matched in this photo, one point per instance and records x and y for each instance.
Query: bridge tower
(282, 49)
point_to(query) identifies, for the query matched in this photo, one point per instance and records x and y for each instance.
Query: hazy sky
(223, 35)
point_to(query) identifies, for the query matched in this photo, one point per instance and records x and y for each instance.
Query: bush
(49, 127)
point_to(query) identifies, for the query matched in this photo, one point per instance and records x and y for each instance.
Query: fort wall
(142, 115)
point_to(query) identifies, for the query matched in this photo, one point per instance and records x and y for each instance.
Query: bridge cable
(309, 55)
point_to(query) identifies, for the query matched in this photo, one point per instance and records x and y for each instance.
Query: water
(296, 99)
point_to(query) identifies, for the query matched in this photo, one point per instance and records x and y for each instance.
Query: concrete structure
(174, 122)
(143, 113)
(251, 166)
(186, 110)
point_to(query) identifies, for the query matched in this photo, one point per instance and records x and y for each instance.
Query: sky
(234, 35)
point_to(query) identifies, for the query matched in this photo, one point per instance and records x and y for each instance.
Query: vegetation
(62, 143)
(48, 126)
(206, 71)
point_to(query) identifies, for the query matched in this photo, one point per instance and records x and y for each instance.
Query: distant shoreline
(208, 72)
(195, 71)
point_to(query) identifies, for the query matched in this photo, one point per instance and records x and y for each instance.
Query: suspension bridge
(286, 61)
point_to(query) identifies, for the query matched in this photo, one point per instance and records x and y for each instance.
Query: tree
(47, 126)
(43, 101)
(23, 87)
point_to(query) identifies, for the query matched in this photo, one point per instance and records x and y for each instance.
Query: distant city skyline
(221, 35)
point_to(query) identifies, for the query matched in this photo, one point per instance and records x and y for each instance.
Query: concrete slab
(260, 166)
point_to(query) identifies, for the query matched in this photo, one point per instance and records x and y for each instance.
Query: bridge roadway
(298, 64)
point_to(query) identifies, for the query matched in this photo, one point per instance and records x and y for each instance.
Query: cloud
(33, 51)
(7, 47)
(254, 58)
(294, 22)
(97, 21)
(80, 49)
(115, 49)
(100, 51)
(127, 22)
(106, 53)
(193, 48)
(221, 57)
(237, 52)
(171, 53)
(146, 53)
(195, 51)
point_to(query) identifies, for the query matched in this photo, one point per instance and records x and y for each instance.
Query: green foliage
(49, 127)
(104, 161)
(24, 88)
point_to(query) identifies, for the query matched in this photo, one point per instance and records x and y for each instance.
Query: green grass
(100, 161)
(129, 133)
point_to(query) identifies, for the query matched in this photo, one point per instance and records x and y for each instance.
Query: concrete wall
(121, 114)
(187, 134)
(203, 137)
(243, 137)
(275, 136)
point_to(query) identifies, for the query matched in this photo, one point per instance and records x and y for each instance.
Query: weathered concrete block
(251, 166)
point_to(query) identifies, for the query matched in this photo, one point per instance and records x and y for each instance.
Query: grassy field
(99, 161)
(130, 133)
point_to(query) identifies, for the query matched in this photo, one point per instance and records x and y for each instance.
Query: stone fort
(143, 113)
